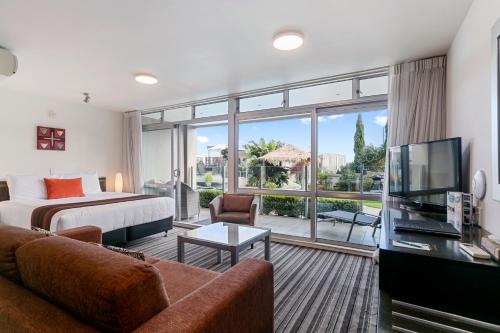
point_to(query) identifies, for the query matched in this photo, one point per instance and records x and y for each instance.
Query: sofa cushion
(235, 217)
(11, 238)
(105, 289)
(237, 202)
(181, 279)
(23, 311)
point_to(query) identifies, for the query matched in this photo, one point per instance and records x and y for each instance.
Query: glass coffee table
(225, 236)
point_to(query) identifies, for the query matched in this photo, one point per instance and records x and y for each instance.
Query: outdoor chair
(360, 218)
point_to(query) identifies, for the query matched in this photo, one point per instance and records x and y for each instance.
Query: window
(274, 154)
(151, 118)
(261, 102)
(177, 114)
(330, 92)
(373, 86)
(210, 110)
(351, 152)
(210, 145)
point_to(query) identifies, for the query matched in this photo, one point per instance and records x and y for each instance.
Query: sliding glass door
(313, 154)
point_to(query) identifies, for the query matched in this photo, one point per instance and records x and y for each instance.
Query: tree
(373, 158)
(359, 143)
(347, 180)
(274, 174)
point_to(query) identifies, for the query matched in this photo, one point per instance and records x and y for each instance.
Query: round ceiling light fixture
(146, 78)
(287, 41)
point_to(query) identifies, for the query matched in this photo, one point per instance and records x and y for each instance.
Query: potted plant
(209, 179)
(322, 179)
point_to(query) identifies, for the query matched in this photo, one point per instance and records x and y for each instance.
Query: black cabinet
(442, 287)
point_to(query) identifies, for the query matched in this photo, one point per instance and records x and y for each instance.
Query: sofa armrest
(240, 300)
(215, 207)
(86, 233)
(253, 213)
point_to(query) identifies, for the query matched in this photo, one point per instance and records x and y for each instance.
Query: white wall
(468, 95)
(93, 137)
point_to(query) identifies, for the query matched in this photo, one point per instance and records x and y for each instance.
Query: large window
(274, 154)
(324, 93)
(351, 151)
(209, 110)
(312, 154)
(261, 102)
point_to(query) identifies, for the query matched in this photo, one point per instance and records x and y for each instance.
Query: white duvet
(107, 217)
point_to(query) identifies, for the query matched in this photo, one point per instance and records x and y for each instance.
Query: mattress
(107, 217)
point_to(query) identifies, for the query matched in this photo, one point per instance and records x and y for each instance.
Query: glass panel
(209, 150)
(285, 214)
(330, 92)
(227, 234)
(374, 86)
(335, 218)
(274, 154)
(151, 118)
(157, 162)
(178, 114)
(261, 102)
(210, 110)
(351, 152)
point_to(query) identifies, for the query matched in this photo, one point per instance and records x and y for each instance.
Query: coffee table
(225, 236)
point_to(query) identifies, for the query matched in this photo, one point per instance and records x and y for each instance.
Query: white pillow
(26, 187)
(90, 181)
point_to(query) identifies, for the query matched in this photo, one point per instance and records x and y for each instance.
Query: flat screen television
(424, 172)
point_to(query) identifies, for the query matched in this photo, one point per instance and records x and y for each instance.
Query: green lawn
(372, 204)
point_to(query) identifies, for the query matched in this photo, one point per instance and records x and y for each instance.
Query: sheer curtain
(417, 108)
(132, 152)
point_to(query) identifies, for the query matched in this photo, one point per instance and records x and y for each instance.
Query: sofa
(234, 208)
(65, 284)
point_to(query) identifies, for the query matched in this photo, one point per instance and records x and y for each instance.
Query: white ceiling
(200, 49)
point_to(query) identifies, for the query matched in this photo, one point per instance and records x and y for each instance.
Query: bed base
(127, 234)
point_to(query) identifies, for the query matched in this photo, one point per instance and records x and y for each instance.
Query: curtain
(417, 108)
(417, 95)
(132, 152)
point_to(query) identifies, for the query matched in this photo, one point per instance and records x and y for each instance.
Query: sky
(335, 133)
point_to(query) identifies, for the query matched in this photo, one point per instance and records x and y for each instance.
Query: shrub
(208, 178)
(208, 195)
(328, 205)
(283, 205)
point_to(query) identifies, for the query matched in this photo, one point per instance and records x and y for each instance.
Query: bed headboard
(4, 189)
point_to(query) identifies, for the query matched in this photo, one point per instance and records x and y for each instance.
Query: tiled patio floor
(327, 230)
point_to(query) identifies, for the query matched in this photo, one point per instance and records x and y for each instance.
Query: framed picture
(495, 116)
(49, 138)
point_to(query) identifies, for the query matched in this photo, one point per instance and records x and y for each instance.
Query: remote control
(474, 251)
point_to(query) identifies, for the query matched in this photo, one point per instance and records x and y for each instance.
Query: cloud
(202, 139)
(335, 116)
(307, 121)
(381, 120)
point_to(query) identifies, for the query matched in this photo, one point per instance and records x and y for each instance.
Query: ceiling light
(286, 41)
(146, 79)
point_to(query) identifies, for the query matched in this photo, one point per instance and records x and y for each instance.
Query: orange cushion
(63, 188)
(237, 202)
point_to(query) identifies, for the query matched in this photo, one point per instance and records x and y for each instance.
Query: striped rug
(315, 290)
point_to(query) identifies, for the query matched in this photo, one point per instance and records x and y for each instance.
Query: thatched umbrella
(287, 153)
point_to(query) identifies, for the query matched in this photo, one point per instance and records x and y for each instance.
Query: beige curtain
(132, 152)
(417, 95)
(417, 109)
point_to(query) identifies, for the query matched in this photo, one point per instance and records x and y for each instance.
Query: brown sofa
(235, 208)
(63, 284)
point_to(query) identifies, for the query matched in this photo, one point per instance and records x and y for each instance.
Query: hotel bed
(121, 216)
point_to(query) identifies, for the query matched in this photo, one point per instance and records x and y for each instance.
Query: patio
(327, 230)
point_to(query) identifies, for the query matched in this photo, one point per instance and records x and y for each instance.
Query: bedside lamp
(118, 182)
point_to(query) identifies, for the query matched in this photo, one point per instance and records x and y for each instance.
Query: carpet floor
(314, 290)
